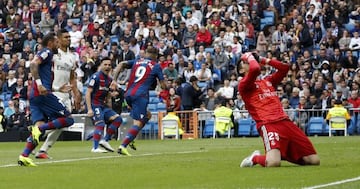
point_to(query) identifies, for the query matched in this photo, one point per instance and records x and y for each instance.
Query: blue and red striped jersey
(100, 83)
(143, 74)
(45, 71)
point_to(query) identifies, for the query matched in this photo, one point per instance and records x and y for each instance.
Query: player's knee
(148, 115)
(70, 121)
(273, 163)
(312, 160)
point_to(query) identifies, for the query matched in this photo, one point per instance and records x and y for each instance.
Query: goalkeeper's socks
(58, 123)
(259, 160)
(112, 128)
(131, 135)
(30, 146)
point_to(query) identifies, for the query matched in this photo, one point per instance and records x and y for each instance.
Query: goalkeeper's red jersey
(259, 95)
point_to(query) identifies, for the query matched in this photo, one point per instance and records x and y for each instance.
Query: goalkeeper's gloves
(261, 60)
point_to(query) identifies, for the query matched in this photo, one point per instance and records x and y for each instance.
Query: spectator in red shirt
(203, 37)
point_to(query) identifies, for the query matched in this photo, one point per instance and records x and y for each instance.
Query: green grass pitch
(202, 163)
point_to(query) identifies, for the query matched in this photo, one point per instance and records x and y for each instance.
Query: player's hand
(90, 113)
(261, 60)
(246, 56)
(42, 90)
(113, 85)
(65, 88)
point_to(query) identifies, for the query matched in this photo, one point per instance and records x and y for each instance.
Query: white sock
(50, 139)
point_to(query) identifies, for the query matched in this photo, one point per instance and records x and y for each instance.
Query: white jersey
(64, 63)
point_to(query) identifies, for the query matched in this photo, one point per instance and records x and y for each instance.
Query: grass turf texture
(205, 163)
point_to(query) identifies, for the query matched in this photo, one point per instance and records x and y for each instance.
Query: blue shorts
(102, 113)
(138, 107)
(47, 107)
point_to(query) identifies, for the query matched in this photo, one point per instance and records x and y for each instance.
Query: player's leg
(115, 121)
(53, 135)
(271, 139)
(49, 142)
(301, 151)
(99, 124)
(141, 116)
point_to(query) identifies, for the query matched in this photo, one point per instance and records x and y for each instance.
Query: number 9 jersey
(143, 74)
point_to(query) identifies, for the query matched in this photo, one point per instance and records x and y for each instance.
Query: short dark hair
(152, 50)
(47, 38)
(104, 59)
(61, 32)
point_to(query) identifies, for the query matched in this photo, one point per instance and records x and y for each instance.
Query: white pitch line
(104, 157)
(334, 183)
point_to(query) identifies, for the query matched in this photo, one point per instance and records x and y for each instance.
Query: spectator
(174, 101)
(16, 122)
(3, 120)
(190, 93)
(221, 62)
(170, 72)
(226, 92)
(338, 111)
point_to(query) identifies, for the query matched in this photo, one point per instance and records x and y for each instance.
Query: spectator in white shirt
(142, 30)
(226, 91)
(75, 36)
(355, 41)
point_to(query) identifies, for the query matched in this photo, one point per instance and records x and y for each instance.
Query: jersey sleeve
(131, 63)
(282, 70)
(158, 71)
(248, 82)
(43, 54)
(93, 81)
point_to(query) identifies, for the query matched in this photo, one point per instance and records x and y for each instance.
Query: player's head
(50, 41)
(151, 53)
(105, 65)
(64, 38)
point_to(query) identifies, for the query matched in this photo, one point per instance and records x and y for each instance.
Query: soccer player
(98, 102)
(64, 82)
(283, 140)
(44, 105)
(144, 72)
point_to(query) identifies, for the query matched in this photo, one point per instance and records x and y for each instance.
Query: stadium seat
(254, 131)
(209, 128)
(245, 125)
(316, 126)
(154, 100)
(114, 38)
(349, 27)
(146, 130)
(161, 107)
(75, 20)
(337, 120)
(210, 50)
(152, 107)
(152, 93)
(169, 126)
(269, 13)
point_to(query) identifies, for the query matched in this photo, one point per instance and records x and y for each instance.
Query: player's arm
(282, 71)
(34, 69)
(118, 69)
(75, 90)
(254, 71)
(90, 112)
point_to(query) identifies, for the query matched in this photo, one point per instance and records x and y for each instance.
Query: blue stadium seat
(349, 27)
(209, 128)
(254, 131)
(316, 126)
(352, 126)
(269, 13)
(245, 125)
(114, 38)
(152, 93)
(75, 20)
(161, 107)
(210, 50)
(154, 100)
(152, 107)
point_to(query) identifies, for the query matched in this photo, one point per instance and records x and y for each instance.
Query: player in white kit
(64, 85)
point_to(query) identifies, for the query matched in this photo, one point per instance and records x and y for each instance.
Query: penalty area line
(334, 183)
(104, 157)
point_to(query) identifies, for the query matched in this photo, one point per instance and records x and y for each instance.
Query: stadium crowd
(319, 38)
